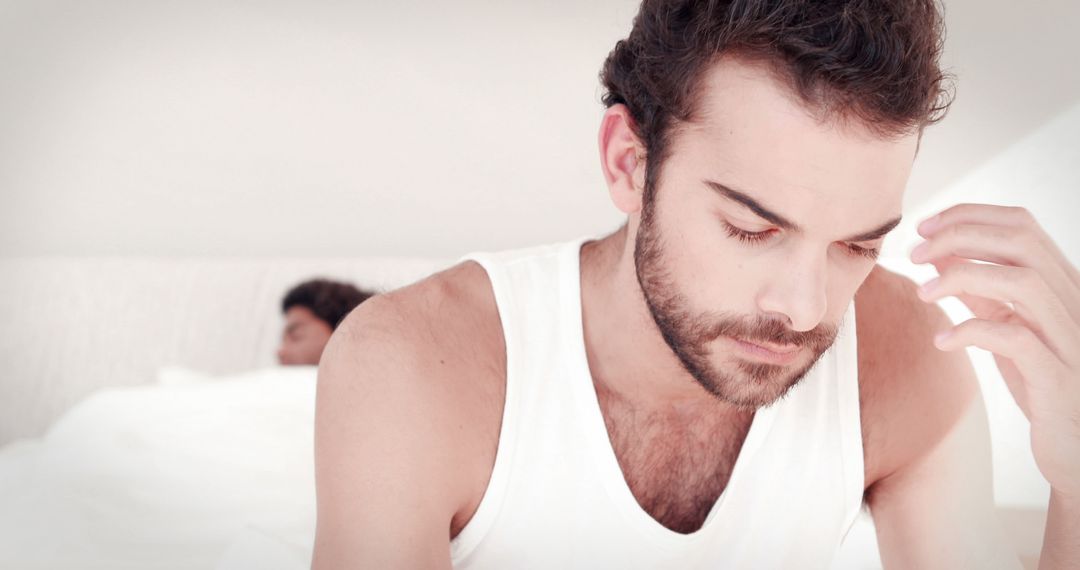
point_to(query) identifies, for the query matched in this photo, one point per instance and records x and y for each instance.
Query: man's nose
(798, 293)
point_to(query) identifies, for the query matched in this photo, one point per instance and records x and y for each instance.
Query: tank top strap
(518, 283)
(850, 422)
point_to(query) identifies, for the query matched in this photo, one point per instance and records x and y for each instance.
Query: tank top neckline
(596, 434)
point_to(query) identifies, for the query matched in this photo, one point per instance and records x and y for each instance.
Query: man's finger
(1004, 245)
(987, 214)
(1009, 216)
(980, 307)
(1036, 363)
(1034, 303)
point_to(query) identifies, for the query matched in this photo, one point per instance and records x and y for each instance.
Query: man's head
(760, 150)
(313, 309)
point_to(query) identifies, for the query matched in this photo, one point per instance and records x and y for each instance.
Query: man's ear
(622, 158)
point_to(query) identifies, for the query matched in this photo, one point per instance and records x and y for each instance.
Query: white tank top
(557, 498)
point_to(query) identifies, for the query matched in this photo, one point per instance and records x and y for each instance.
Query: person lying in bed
(726, 379)
(313, 309)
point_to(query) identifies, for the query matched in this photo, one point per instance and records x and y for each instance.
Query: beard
(745, 384)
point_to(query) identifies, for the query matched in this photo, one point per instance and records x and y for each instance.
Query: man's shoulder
(409, 400)
(432, 354)
(911, 393)
(442, 332)
(448, 319)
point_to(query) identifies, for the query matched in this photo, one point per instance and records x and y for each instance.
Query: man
(313, 309)
(724, 380)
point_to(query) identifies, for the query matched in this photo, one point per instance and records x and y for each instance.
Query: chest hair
(676, 466)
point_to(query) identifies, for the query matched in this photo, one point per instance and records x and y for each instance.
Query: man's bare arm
(1060, 547)
(383, 470)
(937, 511)
(931, 492)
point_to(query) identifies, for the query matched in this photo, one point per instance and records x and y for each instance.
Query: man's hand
(1026, 303)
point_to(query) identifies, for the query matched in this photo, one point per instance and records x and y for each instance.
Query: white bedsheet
(192, 472)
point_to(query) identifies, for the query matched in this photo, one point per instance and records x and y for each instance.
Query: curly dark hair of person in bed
(312, 311)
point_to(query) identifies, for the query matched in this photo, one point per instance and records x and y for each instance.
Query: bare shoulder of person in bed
(408, 412)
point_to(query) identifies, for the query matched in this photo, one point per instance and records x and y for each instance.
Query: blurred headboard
(69, 326)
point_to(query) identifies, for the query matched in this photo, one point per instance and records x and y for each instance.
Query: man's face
(788, 287)
(304, 338)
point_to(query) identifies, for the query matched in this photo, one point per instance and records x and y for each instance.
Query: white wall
(301, 128)
(1015, 65)
(413, 127)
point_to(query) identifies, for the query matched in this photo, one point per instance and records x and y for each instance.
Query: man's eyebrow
(877, 232)
(784, 223)
(751, 203)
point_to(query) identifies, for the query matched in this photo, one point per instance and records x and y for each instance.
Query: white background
(421, 128)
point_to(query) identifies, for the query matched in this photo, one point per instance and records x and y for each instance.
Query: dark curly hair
(328, 300)
(875, 61)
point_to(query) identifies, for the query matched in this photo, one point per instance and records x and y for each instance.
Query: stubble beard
(746, 384)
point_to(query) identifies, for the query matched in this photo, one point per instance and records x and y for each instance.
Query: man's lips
(777, 354)
(775, 348)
